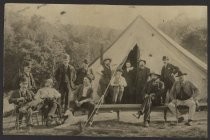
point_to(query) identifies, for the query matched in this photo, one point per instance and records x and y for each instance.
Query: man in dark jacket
(142, 78)
(167, 76)
(85, 70)
(21, 98)
(106, 75)
(186, 93)
(65, 76)
(129, 75)
(26, 74)
(153, 90)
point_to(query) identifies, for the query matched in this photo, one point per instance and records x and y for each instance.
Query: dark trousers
(129, 96)
(148, 102)
(168, 86)
(104, 82)
(139, 96)
(87, 106)
(65, 99)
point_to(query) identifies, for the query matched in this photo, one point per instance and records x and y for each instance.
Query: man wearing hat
(84, 98)
(65, 76)
(118, 83)
(167, 76)
(152, 97)
(20, 98)
(106, 75)
(142, 78)
(26, 74)
(185, 93)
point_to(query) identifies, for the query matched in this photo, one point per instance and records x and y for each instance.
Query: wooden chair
(35, 116)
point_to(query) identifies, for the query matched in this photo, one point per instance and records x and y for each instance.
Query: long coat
(166, 76)
(142, 77)
(129, 95)
(60, 76)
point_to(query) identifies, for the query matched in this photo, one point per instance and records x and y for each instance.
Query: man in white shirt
(47, 96)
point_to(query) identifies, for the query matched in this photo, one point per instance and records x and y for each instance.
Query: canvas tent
(153, 44)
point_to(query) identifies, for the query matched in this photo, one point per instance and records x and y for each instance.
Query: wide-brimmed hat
(89, 78)
(141, 60)
(66, 57)
(120, 70)
(128, 61)
(180, 74)
(107, 58)
(85, 61)
(165, 58)
(154, 73)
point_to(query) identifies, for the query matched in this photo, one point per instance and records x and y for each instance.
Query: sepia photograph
(105, 70)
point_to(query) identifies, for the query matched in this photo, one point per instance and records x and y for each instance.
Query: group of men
(129, 85)
(140, 85)
(72, 93)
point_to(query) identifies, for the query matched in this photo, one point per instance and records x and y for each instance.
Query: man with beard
(129, 75)
(65, 76)
(152, 97)
(167, 76)
(21, 98)
(185, 93)
(142, 78)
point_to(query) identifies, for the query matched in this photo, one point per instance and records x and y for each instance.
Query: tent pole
(102, 97)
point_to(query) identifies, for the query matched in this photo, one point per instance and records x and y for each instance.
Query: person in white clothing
(118, 83)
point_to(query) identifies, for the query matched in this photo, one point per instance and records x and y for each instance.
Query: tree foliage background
(189, 33)
(45, 42)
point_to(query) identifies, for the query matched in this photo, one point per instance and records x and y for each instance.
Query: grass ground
(106, 124)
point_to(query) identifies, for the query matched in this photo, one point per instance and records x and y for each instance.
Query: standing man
(65, 76)
(25, 74)
(21, 98)
(142, 77)
(152, 93)
(167, 76)
(129, 75)
(106, 75)
(186, 93)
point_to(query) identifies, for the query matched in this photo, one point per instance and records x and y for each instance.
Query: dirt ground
(106, 124)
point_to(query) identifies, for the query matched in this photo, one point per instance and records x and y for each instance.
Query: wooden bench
(135, 107)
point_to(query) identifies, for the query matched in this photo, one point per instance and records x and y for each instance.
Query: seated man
(48, 96)
(185, 93)
(20, 98)
(153, 90)
(118, 83)
(84, 95)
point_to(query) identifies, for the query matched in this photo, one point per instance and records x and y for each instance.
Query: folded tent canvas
(153, 45)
